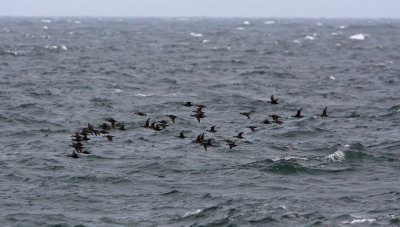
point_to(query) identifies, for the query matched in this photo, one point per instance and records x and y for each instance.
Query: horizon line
(205, 17)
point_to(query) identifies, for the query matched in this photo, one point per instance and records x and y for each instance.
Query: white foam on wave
(286, 158)
(296, 41)
(11, 52)
(77, 22)
(239, 28)
(154, 94)
(117, 90)
(196, 34)
(55, 47)
(337, 156)
(338, 44)
(205, 41)
(358, 36)
(360, 221)
(283, 207)
(269, 22)
(309, 37)
(45, 21)
(45, 27)
(246, 22)
(342, 26)
(143, 95)
(332, 78)
(319, 24)
(192, 213)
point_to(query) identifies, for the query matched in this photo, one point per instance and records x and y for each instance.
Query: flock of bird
(105, 128)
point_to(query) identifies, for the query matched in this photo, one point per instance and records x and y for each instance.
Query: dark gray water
(58, 74)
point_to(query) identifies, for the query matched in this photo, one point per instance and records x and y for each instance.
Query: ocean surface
(59, 74)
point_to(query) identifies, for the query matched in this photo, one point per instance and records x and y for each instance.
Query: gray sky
(208, 8)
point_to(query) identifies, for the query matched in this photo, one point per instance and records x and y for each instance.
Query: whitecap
(15, 53)
(332, 78)
(269, 22)
(239, 28)
(246, 22)
(338, 44)
(334, 34)
(45, 21)
(77, 22)
(337, 156)
(63, 47)
(143, 95)
(319, 24)
(296, 41)
(196, 34)
(283, 207)
(117, 90)
(360, 220)
(192, 213)
(358, 36)
(309, 37)
(286, 158)
(205, 41)
(342, 26)
(45, 27)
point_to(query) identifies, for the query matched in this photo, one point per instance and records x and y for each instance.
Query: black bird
(181, 136)
(172, 117)
(207, 143)
(147, 124)
(273, 100)
(157, 127)
(85, 134)
(200, 138)
(74, 154)
(201, 106)
(112, 121)
(188, 104)
(230, 143)
(105, 127)
(266, 121)
(141, 114)
(252, 128)
(324, 114)
(77, 137)
(240, 135)
(275, 117)
(121, 126)
(212, 129)
(198, 110)
(198, 116)
(78, 147)
(104, 131)
(96, 132)
(298, 114)
(109, 137)
(162, 123)
(247, 114)
(90, 127)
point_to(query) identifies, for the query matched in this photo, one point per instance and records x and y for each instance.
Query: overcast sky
(207, 8)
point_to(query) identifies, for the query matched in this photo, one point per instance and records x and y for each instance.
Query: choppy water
(58, 74)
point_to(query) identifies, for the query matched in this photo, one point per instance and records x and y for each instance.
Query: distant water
(58, 74)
